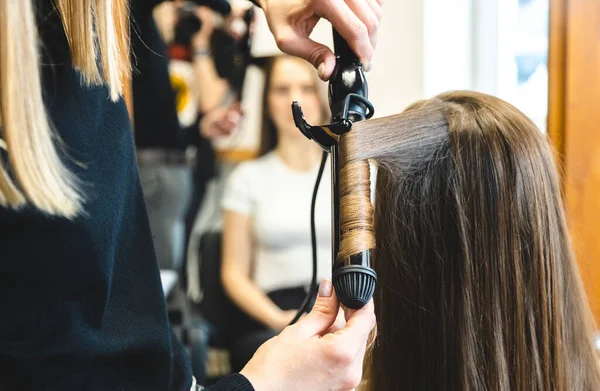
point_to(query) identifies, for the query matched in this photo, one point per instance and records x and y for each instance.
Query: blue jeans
(167, 192)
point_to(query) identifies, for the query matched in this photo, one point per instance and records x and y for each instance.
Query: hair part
(478, 287)
(34, 172)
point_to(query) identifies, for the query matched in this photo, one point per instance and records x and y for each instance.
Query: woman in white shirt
(267, 253)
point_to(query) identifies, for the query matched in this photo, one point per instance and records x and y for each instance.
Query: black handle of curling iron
(342, 49)
(348, 81)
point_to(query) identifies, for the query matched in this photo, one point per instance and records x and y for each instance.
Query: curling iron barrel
(353, 277)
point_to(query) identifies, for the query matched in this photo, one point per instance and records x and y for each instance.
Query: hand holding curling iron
(317, 353)
(292, 22)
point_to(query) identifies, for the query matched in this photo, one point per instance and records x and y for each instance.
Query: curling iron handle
(348, 89)
(342, 49)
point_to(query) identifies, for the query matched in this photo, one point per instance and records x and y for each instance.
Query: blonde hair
(35, 173)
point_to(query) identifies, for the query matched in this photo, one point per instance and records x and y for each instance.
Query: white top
(278, 199)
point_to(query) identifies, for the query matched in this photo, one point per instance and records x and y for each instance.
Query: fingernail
(326, 288)
(321, 70)
(368, 66)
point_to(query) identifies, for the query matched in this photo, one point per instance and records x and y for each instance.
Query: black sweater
(155, 115)
(81, 304)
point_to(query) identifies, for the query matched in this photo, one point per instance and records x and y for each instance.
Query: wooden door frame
(573, 59)
(557, 65)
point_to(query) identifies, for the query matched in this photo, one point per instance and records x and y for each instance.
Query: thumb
(319, 55)
(323, 314)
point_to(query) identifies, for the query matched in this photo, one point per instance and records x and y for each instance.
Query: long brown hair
(96, 30)
(268, 136)
(478, 287)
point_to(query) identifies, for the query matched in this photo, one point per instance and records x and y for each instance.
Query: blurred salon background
(228, 179)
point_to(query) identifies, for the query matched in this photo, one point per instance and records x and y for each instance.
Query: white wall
(485, 44)
(448, 45)
(397, 77)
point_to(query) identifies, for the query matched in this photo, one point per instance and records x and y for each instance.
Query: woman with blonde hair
(81, 305)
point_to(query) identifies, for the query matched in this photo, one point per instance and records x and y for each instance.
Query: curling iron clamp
(352, 213)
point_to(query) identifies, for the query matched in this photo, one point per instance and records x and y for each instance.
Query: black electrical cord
(312, 292)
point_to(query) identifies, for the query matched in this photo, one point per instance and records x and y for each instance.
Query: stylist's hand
(315, 353)
(292, 22)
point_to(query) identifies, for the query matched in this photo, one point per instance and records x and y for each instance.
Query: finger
(229, 122)
(320, 56)
(366, 15)
(221, 130)
(349, 26)
(340, 323)
(376, 8)
(323, 314)
(359, 324)
(226, 125)
(348, 364)
(234, 115)
(348, 311)
(355, 371)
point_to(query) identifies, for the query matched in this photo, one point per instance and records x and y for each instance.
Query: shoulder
(255, 168)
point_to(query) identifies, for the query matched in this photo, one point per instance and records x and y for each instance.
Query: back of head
(478, 288)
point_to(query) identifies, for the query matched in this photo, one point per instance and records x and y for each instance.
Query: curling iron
(352, 228)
